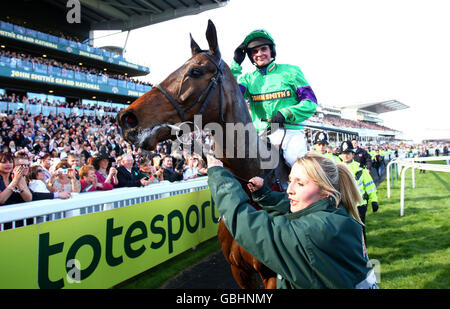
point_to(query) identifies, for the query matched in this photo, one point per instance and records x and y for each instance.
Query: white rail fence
(23, 214)
(413, 163)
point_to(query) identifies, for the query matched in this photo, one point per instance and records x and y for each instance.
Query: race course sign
(102, 249)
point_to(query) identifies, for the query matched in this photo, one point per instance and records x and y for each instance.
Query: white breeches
(294, 144)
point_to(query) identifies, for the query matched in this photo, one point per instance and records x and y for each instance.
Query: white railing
(412, 163)
(22, 214)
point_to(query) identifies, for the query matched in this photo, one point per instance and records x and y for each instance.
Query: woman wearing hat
(278, 92)
(108, 178)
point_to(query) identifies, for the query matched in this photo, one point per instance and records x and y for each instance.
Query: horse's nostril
(129, 120)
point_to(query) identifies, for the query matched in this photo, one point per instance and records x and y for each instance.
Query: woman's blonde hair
(335, 180)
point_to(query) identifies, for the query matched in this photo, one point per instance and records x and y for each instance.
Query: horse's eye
(195, 72)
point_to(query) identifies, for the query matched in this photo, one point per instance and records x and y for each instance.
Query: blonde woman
(311, 236)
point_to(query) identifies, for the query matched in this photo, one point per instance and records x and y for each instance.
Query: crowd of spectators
(77, 105)
(29, 25)
(47, 157)
(342, 122)
(20, 56)
(54, 156)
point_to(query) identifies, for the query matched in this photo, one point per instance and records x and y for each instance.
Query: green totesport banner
(102, 249)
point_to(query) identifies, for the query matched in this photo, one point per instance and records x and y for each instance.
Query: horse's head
(186, 92)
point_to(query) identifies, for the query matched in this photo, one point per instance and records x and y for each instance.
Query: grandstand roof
(104, 14)
(132, 14)
(379, 107)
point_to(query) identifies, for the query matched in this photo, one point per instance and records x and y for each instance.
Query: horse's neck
(240, 154)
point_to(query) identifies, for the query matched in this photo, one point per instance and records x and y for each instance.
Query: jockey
(278, 92)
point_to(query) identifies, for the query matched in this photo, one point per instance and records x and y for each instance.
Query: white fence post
(423, 166)
(402, 192)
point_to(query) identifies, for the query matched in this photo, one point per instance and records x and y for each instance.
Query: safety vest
(331, 156)
(366, 185)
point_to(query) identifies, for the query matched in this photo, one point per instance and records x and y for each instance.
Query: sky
(350, 51)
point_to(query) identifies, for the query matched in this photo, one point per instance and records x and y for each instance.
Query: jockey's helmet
(257, 38)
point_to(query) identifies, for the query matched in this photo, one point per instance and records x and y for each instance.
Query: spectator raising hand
(89, 181)
(64, 179)
(13, 186)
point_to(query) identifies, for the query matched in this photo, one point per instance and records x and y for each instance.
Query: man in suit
(127, 176)
(170, 173)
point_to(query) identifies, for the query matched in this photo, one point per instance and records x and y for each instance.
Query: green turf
(413, 250)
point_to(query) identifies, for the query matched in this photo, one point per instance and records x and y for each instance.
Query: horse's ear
(211, 36)
(194, 46)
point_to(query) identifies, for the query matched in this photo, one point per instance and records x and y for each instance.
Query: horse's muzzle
(127, 120)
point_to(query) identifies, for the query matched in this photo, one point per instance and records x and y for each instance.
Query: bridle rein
(205, 95)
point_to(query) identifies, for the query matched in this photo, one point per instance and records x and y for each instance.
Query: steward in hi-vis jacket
(365, 183)
(320, 143)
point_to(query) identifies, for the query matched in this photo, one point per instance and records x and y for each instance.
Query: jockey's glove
(374, 206)
(278, 118)
(239, 54)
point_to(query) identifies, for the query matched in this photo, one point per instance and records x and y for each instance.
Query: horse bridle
(215, 80)
(205, 95)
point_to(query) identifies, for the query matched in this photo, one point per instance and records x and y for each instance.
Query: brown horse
(205, 86)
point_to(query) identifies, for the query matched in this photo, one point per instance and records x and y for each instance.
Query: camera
(64, 171)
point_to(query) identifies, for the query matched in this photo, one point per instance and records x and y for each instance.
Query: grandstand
(362, 119)
(38, 62)
(42, 53)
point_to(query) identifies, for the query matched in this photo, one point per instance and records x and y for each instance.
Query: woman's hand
(113, 171)
(64, 195)
(159, 171)
(213, 161)
(256, 183)
(145, 182)
(71, 173)
(18, 173)
(96, 184)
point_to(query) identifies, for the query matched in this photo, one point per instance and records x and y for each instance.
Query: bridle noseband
(205, 95)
